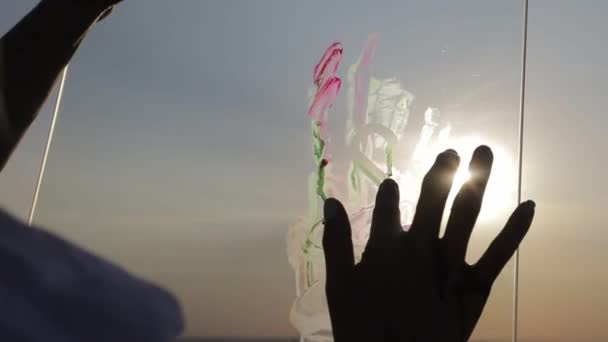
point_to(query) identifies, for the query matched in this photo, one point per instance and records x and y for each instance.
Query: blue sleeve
(53, 290)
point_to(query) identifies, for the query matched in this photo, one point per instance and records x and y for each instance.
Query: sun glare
(500, 195)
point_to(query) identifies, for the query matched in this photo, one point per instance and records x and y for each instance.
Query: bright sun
(500, 194)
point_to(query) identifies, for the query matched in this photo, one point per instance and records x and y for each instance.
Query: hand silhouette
(415, 286)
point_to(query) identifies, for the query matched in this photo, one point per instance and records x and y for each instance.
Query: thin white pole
(522, 102)
(48, 145)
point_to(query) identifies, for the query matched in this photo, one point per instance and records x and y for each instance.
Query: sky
(182, 147)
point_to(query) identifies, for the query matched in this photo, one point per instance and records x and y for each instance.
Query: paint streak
(327, 85)
(328, 65)
(362, 80)
(323, 100)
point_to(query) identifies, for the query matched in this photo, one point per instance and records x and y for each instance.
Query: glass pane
(563, 270)
(184, 148)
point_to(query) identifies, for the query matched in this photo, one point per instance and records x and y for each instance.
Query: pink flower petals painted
(328, 86)
(322, 102)
(328, 65)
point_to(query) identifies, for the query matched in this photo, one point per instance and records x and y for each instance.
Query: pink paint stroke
(362, 79)
(323, 100)
(328, 85)
(328, 65)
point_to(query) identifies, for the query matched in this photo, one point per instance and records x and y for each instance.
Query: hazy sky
(182, 149)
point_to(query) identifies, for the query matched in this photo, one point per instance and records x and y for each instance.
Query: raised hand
(415, 286)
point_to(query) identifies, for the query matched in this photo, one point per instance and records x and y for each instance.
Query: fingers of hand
(337, 243)
(506, 243)
(467, 205)
(433, 196)
(386, 220)
(340, 263)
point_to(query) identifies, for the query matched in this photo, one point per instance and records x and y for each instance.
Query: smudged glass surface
(184, 148)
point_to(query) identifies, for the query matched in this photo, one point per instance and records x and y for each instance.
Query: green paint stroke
(388, 150)
(318, 151)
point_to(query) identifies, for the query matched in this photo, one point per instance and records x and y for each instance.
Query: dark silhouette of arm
(33, 54)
